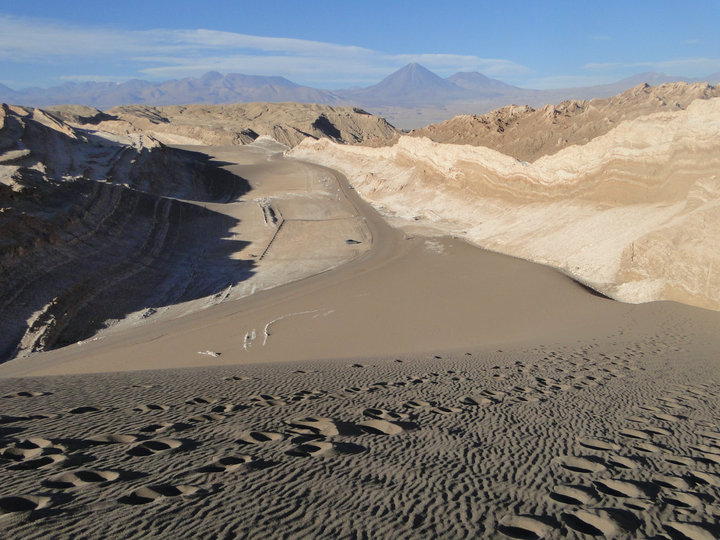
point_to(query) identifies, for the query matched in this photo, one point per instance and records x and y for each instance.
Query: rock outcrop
(633, 212)
(242, 123)
(527, 133)
(92, 228)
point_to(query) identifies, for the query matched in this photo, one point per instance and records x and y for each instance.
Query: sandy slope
(383, 302)
(615, 436)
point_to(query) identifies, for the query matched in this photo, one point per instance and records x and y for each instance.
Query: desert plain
(329, 352)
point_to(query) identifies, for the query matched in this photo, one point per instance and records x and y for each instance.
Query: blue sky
(535, 44)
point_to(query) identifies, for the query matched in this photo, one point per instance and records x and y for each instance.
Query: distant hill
(411, 97)
(479, 83)
(410, 84)
(212, 87)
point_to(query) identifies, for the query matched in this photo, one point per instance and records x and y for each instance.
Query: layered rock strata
(94, 226)
(634, 212)
(242, 123)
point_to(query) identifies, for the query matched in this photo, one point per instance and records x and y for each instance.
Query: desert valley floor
(406, 386)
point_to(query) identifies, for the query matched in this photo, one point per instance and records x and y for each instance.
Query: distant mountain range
(410, 97)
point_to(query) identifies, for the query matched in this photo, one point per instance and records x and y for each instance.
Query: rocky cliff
(634, 212)
(92, 228)
(527, 133)
(242, 123)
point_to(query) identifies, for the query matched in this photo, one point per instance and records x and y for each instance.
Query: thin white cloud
(682, 66)
(91, 78)
(164, 53)
(567, 81)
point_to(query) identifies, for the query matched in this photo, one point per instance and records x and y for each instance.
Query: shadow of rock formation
(93, 229)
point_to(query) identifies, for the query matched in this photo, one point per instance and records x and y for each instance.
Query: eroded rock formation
(242, 123)
(527, 133)
(92, 228)
(634, 212)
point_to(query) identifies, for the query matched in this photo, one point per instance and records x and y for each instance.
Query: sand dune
(604, 437)
(632, 212)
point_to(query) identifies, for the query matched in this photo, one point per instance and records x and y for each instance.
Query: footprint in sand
(228, 408)
(692, 531)
(154, 446)
(679, 460)
(475, 401)
(202, 400)
(419, 404)
(377, 426)
(357, 389)
(583, 465)
(33, 453)
(648, 448)
(706, 449)
(382, 414)
(30, 444)
(598, 444)
(705, 478)
(42, 462)
(26, 394)
(81, 477)
(683, 499)
(148, 494)
(708, 434)
(7, 419)
(654, 430)
(445, 410)
(671, 482)
(709, 458)
(237, 462)
(165, 426)
(259, 437)
(84, 410)
(575, 495)
(324, 449)
(608, 522)
(317, 425)
(304, 395)
(638, 419)
(495, 395)
(669, 417)
(206, 417)
(111, 438)
(16, 504)
(267, 400)
(627, 488)
(150, 407)
(236, 378)
(635, 434)
(527, 526)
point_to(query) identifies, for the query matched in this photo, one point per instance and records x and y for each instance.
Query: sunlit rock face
(633, 212)
(240, 123)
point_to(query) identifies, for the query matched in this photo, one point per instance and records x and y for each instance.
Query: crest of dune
(633, 212)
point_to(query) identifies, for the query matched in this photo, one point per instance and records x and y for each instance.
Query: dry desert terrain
(305, 365)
